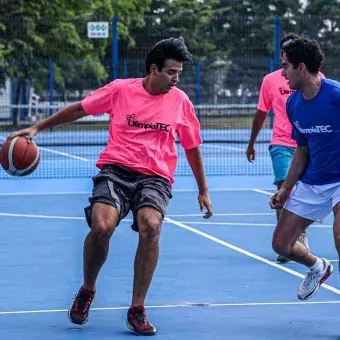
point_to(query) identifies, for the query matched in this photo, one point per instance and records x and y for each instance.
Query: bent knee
(102, 227)
(104, 219)
(149, 225)
(280, 247)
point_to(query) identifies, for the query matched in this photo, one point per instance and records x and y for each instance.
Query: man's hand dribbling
(29, 132)
(278, 200)
(204, 201)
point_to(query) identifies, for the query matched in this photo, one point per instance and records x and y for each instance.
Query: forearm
(259, 118)
(297, 167)
(67, 114)
(195, 161)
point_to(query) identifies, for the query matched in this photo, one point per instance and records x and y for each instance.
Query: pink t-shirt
(143, 127)
(273, 95)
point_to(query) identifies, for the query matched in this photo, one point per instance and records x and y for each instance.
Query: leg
(302, 237)
(108, 206)
(149, 207)
(285, 238)
(286, 243)
(280, 258)
(104, 219)
(336, 228)
(281, 157)
(149, 221)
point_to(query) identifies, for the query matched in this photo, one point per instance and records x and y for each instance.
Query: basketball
(19, 156)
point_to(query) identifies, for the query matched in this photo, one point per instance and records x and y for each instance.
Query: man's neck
(312, 87)
(148, 86)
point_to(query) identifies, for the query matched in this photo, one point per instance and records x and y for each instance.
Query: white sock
(317, 266)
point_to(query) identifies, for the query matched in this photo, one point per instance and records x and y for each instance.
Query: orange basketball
(19, 156)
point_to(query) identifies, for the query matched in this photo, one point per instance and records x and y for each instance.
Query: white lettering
(314, 129)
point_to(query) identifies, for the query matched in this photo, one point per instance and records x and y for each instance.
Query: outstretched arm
(195, 161)
(67, 114)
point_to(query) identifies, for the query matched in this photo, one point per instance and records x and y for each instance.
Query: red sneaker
(79, 311)
(137, 322)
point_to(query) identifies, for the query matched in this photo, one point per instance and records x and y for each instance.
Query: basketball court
(216, 278)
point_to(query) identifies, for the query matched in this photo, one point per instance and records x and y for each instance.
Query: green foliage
(34, 32)
(234, 40)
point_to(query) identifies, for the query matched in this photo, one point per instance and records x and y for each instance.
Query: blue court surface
(216, 279)
(67, 160)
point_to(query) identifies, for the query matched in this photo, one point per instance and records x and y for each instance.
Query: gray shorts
(126, 190)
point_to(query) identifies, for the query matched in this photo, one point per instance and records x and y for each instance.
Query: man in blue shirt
(314, 111)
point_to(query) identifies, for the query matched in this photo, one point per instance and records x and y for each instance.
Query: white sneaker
(312, 281)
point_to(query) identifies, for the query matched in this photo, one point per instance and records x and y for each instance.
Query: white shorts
(313, 202)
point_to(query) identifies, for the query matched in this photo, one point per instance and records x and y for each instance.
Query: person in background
(274, 93)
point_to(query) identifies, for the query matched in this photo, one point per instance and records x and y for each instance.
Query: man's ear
(302, 67)
(153, 69)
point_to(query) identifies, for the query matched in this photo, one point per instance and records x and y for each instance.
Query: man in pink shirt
(273, 95)
(136, 168)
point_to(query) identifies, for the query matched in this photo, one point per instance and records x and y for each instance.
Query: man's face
(293, 75)
(168, 77)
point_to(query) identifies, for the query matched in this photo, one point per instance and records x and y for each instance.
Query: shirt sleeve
(265, 103)
(189, 129)
(101, 100)
(321, 75)
(299, 137)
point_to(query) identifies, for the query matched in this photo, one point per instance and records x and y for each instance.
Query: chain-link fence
(231, 57)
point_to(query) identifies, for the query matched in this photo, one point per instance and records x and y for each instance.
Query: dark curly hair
(288, 38)
(306, 51)
(171, 48)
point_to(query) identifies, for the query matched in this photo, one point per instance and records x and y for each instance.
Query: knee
(150, 227)
(102, 228)
(280, 247)
(337, 242)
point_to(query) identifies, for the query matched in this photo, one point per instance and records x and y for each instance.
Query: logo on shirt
(284, 91)
(314, 129)
(132, 121)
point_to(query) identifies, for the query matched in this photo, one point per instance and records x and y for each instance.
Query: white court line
(89, 192)
(166, 221)
(44, 193)
(222, 147)
(232, 214)
(247, 253)
(248, 224)
(228, 223)
(64, 154)
(59, 153)
(183, 305)
(52, 217)
(42, 216)
(262, 191)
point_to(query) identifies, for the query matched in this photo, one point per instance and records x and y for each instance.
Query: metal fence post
(198, 87)
(51, 85)
(277, 42)
(271, 65)
(125, 69)
(115, 66)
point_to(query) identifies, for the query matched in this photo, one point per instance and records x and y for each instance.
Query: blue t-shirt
(316, 124)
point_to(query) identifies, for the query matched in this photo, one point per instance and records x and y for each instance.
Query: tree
(35, 32)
